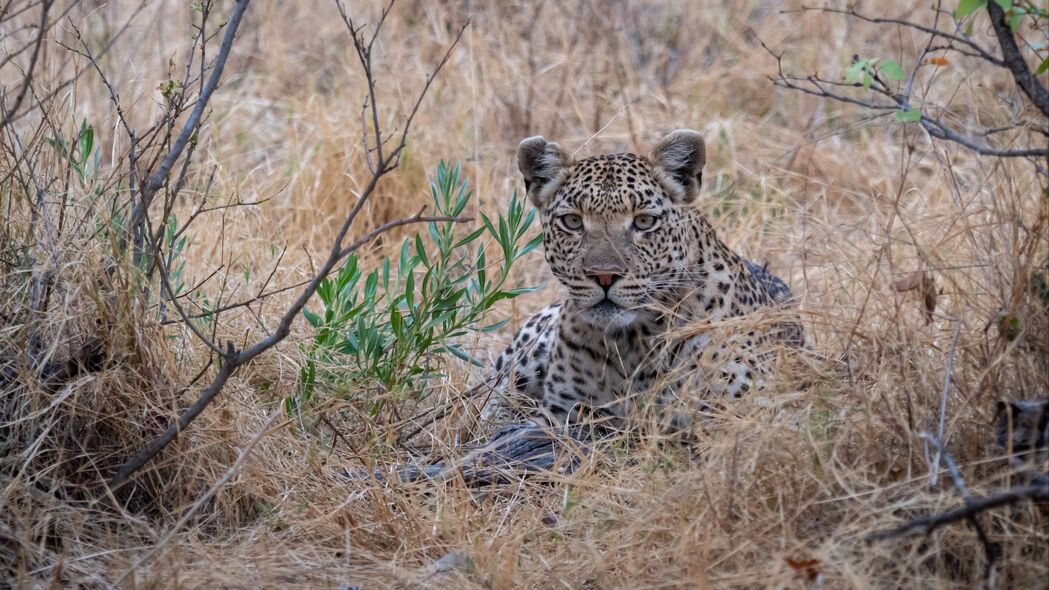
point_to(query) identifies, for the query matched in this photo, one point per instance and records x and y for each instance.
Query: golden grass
(839, 204)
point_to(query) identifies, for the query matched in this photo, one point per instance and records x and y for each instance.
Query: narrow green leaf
(1043, 67)
(462, 355)
(531, 245)
(495, 326)
(469, 237)
(1016, 19)
(312, 318)
(891, 69)
(909, 115)
(967, 7)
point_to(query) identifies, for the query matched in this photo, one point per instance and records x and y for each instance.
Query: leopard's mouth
(606, 305)
(608, 314)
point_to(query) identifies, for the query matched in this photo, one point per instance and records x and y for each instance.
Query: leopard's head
(620, 231)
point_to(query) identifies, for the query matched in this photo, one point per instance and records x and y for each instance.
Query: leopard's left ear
(543, 164)
(677, 163)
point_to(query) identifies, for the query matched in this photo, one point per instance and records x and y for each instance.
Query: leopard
(639, 263)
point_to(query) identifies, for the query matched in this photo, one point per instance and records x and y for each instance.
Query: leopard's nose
(605, 279)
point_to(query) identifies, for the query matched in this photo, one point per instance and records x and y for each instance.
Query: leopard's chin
(609, 315)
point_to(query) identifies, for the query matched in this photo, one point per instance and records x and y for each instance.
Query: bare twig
(159, 176)
(27, 80)
(1013, 61)
(816, 86)
(851, 12)
(948, 371)
(928, 524)
(231, 359)
(990, 549)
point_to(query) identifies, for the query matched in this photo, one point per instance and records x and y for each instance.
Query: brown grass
(840, 204)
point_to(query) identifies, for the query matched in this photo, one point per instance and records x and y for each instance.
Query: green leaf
(531, 245)
(853, 71)
(891, 69)
(1017, 18)
(1015, 21)
(1043, 67)
(967, 7)
(495, 326)
(462, 355)
(312, 318)
(1005, 4)
(470, 237)
(85, 142)
(867, 79)
(909, 115)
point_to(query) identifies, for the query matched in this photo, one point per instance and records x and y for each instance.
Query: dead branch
(937, 33)
(900, 101)
(157, 179)
(1013, 61)
(27, 80)
(232, 359)
(817, 86)
(928, 524)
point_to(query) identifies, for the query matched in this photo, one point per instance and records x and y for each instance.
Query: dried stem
(231, 359)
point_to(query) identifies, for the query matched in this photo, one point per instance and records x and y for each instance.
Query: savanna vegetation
(253, 250)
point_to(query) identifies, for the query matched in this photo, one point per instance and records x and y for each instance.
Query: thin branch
(157, 179)
(1014, 61)
(928, 524)
(27, 80)
(936, 128)
(231, 359)
(851, 12)
(59, 88)
(990, 549)
(948, 371)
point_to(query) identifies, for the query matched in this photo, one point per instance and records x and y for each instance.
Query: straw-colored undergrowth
(840, 204)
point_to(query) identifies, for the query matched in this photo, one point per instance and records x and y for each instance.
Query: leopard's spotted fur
(638, 262)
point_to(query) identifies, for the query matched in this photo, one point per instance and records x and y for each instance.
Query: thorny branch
(232, 359)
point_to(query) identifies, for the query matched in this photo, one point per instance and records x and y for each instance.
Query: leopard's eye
(572, 221)
(645, 221)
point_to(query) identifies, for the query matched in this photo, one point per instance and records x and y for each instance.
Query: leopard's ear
(677, 163)
(544, 165)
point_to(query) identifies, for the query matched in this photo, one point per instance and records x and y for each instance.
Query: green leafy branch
(876, 76)
(389, 328)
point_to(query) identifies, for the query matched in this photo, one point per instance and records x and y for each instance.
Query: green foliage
(176, 264)
(81, 153)
(867, 69)
(967, 7)
(909, 116)
(1014, 11)
(391, 328)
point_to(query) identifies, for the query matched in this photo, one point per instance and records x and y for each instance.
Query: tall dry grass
(841, 204)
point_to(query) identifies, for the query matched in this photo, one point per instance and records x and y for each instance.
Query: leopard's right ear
(544, 165)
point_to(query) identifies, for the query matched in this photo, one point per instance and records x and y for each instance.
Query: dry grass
(841, 205)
